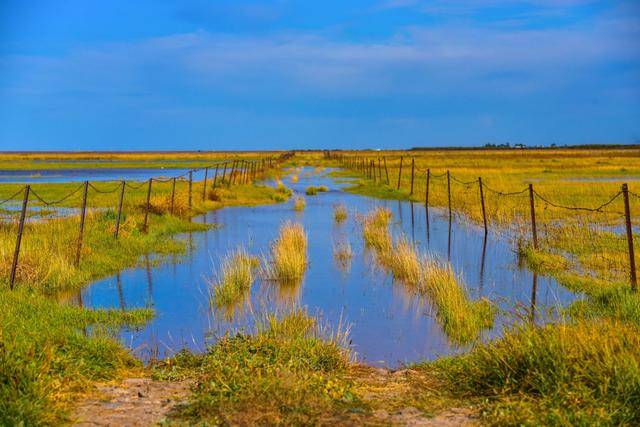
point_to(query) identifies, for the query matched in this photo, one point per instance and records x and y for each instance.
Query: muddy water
(389, 325)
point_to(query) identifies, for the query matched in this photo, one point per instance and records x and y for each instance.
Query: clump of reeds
(294, 178)
(299, 203)
(313, 190)
(375, 230)
(342, 251)
(288, 261)
(461, 318)
(235, 278)
(339, 213)
(403, 262)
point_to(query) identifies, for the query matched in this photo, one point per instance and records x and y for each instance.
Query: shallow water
(389, 324)
(85, 174)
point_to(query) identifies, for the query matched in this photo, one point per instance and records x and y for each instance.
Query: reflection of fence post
(119, 214)
(413, 167)
(16, 253)
(83, 213)
(190, 189)
(173, 195)
(204, 186)
(449, 193)
(145, 227)
(215, 177)
(426, 193)
(386, 171)
(534, 231)
(484, 212)
(400, 173)
(632, 258)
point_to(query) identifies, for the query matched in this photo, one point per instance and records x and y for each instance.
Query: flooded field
(84, 174)
(389, 324)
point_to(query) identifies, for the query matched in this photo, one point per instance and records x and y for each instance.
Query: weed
(235, 278)
(340, 213)
(299, 203)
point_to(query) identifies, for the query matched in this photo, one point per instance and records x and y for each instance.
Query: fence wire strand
(579, 208)
(13, 196)
(55, 202)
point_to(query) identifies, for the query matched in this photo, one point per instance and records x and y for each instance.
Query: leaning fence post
(16, 253)
(215, 177)
(145, 227)
(534, 231)
(119, 214)
(190, 189)
(380, 169)
(386, 171)
(632, 258)
(484, 212)
(413, 167)
(400, 173)
(449, 193)
(83, 212)
(224, 172)
(173, 195)
(204, 186)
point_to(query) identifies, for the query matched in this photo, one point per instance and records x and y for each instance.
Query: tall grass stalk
(340, 213)
(462, 319)
(288, 261)
(235, 278)
(375, 230)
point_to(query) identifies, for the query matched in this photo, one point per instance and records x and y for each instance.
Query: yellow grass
(288, 261)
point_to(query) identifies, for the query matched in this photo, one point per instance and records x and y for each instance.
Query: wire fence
(378, 171)
(226, 172)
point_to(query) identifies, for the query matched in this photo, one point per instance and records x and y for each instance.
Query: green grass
(49, 351)
(287, 373)
(235, 278)
(583, 373)
(312, 190)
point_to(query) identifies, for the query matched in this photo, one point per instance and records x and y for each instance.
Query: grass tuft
(288, 261)
(340, 213)
(235, 279)
(299, 203)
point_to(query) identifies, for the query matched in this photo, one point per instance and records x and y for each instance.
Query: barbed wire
(579, 208)
(13, 196)
(464, 182)
(502, 193)
(55, 202)
(97, 190)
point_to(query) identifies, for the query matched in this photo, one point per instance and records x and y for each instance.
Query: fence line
(356, 161)
(248, 171)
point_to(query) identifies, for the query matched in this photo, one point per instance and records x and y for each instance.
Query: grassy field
(292, 370)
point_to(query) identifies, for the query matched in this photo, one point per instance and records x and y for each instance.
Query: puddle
(389, 325)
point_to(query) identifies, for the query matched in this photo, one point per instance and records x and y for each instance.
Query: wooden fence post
(380, 169)
(534, 231)
(400, 173)
(145, 227)
(16, 252)
(119, 214)
(83, 213)
(632, 258)
(426, 193)
(484, 212)
(386, 171)
(215, 177)
(173, 196)
(204, 186)
(413, 167)
(224, 172)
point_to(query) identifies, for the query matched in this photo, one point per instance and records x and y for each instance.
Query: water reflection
(390, 324)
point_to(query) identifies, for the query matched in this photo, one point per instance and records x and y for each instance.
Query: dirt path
(144, 402)
(133, 402)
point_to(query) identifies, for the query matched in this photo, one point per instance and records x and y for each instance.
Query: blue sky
(198, 74)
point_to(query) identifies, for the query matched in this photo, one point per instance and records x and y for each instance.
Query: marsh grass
(299, 203)
(288, 261)
(340, 213)
(342, 253)
(294, 178)
(235, 278)
(375, 230)
(462, 319)
(313, 190)
(289, 372)
(403, 262)
(574, 373)
(46, 354)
